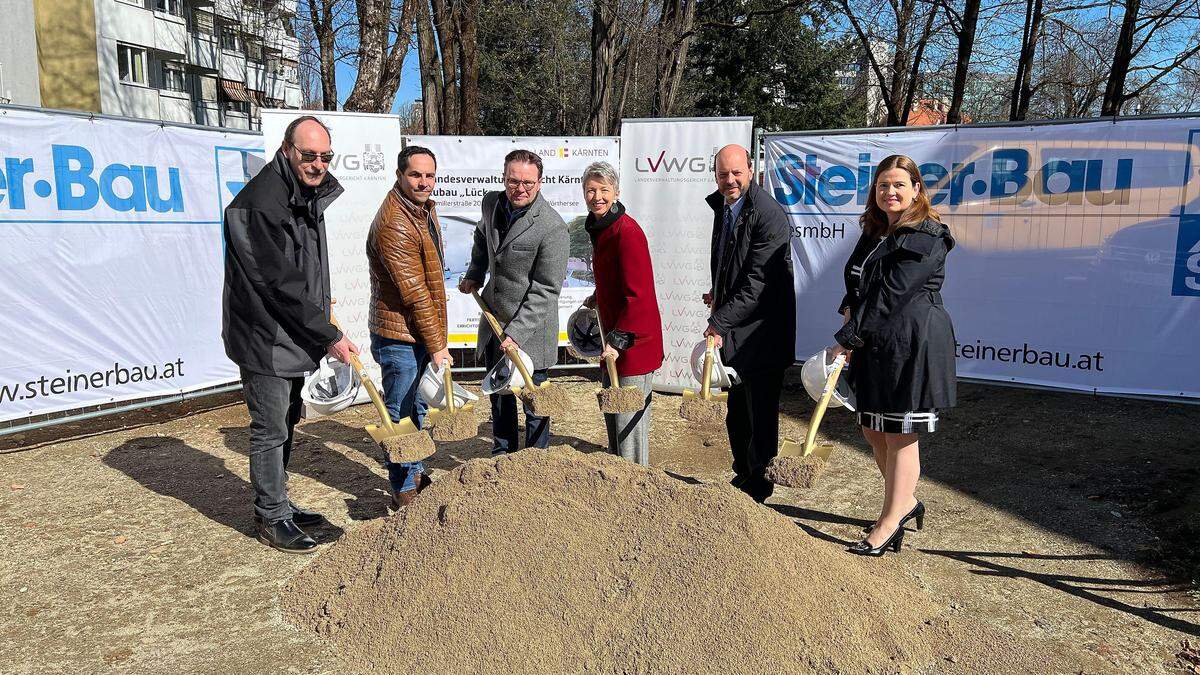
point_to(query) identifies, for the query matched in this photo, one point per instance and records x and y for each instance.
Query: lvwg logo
(665, 163)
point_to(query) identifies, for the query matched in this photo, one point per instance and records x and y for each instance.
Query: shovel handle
(448, 381)
(487, 314)
(376, 399)
(609, 362)
(830, 385)
(706, 386)
(511, 352)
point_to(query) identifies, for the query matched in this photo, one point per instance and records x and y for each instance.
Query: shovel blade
(435, 414)
(402, 428)
(791, 448)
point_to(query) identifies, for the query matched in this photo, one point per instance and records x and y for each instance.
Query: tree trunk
(966, 44)
(444, 24)
(380, 60)
(1114, 91)
(1022, 84)
(675, 23)
(603, 31)
(914, 74)
(468, 93)
(431, 71)
(321, 16)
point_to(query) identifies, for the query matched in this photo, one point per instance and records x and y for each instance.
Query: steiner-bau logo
(1011, 178)
(675, 164)
(79, 185)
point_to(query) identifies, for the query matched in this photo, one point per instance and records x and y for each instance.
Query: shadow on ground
(172, 468)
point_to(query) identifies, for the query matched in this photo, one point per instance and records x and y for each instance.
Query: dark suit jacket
(754, 296)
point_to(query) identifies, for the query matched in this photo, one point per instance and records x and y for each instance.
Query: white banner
(1078, 257)
(471, 166)
(666, 172)
(111, 258)
(365, 147)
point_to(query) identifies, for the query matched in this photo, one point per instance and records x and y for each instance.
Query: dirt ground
(1061, 518)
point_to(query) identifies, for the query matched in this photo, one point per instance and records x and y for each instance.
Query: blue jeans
(402, 364)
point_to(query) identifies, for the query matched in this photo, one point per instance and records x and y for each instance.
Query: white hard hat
(722, 375)
(503, 375)
(583, 334)
(332, 387)
(815, 373)
(433, 389)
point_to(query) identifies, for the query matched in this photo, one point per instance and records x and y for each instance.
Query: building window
(238, 107)
(169, 6)
(206, 88)
(202, 22)
(131, 64)
(254, 51)
(230, 39)
(173, 76)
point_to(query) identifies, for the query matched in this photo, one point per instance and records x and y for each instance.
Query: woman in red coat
(627, 305)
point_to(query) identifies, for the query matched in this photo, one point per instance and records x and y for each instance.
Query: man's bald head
(733, 172)
(308, 147)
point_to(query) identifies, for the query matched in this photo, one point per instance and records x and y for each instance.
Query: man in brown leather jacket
(408, 300)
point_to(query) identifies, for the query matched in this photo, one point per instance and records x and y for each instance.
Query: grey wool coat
(525, 274)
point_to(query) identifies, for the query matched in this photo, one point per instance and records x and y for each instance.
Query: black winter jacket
(754, 295)
(902, 337)
(275, 315)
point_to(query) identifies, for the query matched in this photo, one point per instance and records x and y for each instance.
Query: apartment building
(213, 62)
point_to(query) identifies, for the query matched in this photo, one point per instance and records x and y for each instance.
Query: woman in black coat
(900, 336)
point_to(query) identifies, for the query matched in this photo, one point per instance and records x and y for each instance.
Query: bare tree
(1150, 29)
(675, 31)
(384, 34)
(893, 40)
(964, 25)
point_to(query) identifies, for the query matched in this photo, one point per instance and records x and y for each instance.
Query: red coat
(625, 294)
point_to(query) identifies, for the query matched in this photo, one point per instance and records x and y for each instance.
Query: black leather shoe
(893, 542)
(305, 517)
(283, 535)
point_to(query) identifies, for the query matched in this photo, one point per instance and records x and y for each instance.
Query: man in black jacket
(276, 321)
(753, 302)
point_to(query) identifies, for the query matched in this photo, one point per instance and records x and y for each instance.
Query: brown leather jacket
(408, 289)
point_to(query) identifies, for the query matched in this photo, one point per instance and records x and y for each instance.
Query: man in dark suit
(753, 320)
(521, 247)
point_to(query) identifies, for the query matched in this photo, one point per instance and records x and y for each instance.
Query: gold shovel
(454, 423)
(402, 441)
(615, 399)
(799, 466)
(545, 399)
(704, 406)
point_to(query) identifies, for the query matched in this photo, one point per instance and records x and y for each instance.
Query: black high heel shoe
(918, 512)
(893, 542)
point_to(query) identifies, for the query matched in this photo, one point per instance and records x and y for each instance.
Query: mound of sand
(557, 561)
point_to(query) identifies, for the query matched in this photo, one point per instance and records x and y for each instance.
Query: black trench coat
(901, 335)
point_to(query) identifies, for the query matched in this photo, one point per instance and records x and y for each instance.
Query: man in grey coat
(521, 243)
(275, 319)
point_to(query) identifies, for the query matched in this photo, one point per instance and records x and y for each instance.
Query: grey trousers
(629, 433)
(275, 407)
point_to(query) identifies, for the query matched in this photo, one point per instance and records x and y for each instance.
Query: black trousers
(275, 406)
(753, 424)
(504, 412)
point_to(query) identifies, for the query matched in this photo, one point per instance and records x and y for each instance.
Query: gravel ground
(1058, 517)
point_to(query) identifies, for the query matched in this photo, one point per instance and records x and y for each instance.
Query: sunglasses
(308, 157)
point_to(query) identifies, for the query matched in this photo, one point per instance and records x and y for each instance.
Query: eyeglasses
(308, 157)
(526, 185)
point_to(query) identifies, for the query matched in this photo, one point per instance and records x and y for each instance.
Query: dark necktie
(726, 236)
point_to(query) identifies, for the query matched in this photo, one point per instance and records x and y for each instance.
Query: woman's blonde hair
(875, 222)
